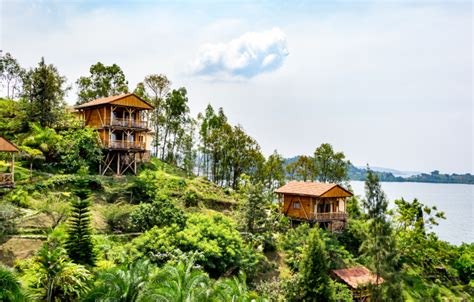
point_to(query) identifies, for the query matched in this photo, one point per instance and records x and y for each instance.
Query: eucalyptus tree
(103, 81)
(330, 166)
(11, 75)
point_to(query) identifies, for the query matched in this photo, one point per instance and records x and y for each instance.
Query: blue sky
(387, 82)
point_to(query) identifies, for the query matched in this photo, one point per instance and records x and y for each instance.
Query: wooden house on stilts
(123, 130)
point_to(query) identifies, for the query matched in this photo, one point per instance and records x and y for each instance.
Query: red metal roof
(7, 146)
(108, 100)
(357, 277)
(315, 189)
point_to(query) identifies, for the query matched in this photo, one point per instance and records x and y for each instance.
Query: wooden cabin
(123, 130)
(358, 279)
(324, 203)
(8, 179)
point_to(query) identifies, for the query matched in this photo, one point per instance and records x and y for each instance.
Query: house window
(296, 205)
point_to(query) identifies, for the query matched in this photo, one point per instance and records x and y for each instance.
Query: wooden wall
(132, 101)
(306, 209)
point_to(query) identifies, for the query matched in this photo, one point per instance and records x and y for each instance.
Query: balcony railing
(329, 216)
(128, 123)
(6, 179)
(121, 144)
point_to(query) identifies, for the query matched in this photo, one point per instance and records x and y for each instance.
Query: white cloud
(251, 54)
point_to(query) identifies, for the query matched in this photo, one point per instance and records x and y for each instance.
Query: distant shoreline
(414, 181)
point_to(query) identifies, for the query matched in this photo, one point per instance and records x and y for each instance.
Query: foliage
(79, 243)
(51, 276)
(464, 264)
(10, 75)
(253, 210)
(8, 216)
(330, 166)
(155, 88)
(379, 246)
(12, 119)
(117, 217)
(79, 148)
(10, 288)
(55, 206)
(214, 237)
(161, 212)
(314, 282)
(122, 283)
(179, 282)
(103, 81)
(43, 92)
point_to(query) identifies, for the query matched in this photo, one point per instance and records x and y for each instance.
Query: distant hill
(392, 175)
(393, 171)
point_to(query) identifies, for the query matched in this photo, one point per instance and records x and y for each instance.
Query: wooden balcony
(128, 123)
(124, 145)
(329, 216)
(122, 123)
(6, 180)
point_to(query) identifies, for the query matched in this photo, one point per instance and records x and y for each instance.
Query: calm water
(456, 200)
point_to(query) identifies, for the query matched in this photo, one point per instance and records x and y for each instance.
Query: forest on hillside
(199, 222)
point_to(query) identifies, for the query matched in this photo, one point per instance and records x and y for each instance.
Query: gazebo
(8, 179)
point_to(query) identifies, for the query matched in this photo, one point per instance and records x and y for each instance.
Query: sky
(389, 83)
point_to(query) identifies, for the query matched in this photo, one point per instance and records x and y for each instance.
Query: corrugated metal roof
(7, 146)
(315, 189)
(357, 276)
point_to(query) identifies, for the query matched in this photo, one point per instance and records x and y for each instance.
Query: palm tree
(122, 284)
(179, 283)
(235, 290)
(10, 289)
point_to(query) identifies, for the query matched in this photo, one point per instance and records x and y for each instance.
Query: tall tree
(253, 210)
(155, 88)
(44, 90)
(273, 174)
(103, 81)
(79, 242)
(330, 166)
(176, 112)
(380, 247)
(305, 168)
(11, 74)
(315, 284)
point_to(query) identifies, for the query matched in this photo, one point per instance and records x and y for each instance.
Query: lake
(455, 200)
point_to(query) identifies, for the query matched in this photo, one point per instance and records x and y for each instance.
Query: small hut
(358, 279)
(8, 179)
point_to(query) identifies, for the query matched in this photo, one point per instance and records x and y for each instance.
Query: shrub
(8, 215)
(191, 199)
(117, 217)
(161, 212)
(214, 237)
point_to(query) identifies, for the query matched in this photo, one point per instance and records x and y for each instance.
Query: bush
(161, 212)
(8, 215)
(191, 199)
(215, 238)
(117, 217)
